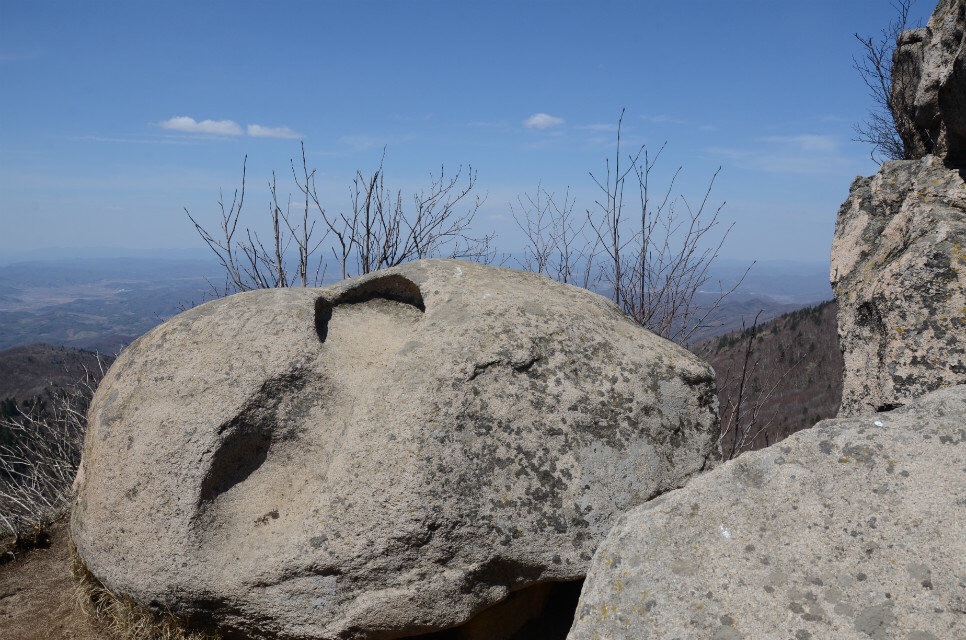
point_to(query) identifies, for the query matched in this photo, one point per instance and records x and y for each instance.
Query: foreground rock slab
(899, 276)
(852, 529)
(382, 458)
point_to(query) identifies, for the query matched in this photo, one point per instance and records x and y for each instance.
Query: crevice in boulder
(244, 450)
(393, 287)
(247, 438)
(543, 611)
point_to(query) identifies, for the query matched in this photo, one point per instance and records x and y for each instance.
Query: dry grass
(122, 617)
(39, 453)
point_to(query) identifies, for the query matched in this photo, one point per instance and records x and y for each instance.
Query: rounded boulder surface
(850, 530)
(388, 456)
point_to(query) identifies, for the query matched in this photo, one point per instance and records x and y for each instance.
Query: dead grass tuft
(120, 615)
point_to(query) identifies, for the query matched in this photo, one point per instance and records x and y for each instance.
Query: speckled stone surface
(899, 276)
(851, 529)
(929, 85)
(384, 457)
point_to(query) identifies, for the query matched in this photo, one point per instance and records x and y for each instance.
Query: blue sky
(114, 116)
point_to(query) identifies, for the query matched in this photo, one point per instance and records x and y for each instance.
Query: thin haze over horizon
(114, 117)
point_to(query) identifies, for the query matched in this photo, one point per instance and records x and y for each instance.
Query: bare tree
(384, 235)
(247, 262)
(377, 231)
(652, 253)
(875, 66)
(556, 246)
(663, 260)
(742, 426)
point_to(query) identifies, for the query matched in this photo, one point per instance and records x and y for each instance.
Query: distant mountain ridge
(104, 303)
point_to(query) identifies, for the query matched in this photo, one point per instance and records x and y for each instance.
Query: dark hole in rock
(539, 612)
(247, 438)
(867, 315)
(392, 287)
(244, 450)
(889, 406)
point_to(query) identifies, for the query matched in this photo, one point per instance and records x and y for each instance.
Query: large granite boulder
(851, 529)
(929, 85)
(899, 276)
(381, 458)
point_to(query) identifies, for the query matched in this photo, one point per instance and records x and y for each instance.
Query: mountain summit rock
(385, 457)
(899, 276)
(899, 250)
(929, 85)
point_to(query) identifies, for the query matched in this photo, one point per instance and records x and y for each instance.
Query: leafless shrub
(875, 66)
(741, 424)
(652, 253)
(556, 246)
(39, 454)
(380, 229)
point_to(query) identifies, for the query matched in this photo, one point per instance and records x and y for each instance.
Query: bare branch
(375, 232)
(40, 449)
(875, 66)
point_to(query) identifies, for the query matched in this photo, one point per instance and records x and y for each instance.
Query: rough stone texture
(380, 458)
(851, 529)
(899, 276)
(929, 85)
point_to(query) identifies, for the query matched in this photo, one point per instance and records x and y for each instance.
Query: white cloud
(542, 121)
(799, 153)
(258, 131)
(784, 160)
(184, 124)
(18, 56)
(662, 119)
(601, 128)
(805, 142)
(214, 127)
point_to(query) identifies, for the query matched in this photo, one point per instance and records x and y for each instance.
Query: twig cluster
(380, 229)
(652, 253)
(741, 423)
(39, 454)
(875, 66)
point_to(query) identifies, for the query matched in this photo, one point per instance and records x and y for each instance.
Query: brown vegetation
(40, 444)
(776, 378)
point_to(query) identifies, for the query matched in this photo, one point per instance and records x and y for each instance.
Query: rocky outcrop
(899, 276)
(929, 85)
(851, 529)
(382, 458)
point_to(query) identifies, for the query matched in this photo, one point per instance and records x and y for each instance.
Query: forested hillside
(776, 378)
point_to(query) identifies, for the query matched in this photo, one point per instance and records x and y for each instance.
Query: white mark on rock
(724, 532)
(487, 295)
(459, 272)
(878, 423)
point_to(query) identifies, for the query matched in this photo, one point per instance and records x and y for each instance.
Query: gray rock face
(851, 529)
(380, 458)
(899, 276)
(929, 85)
